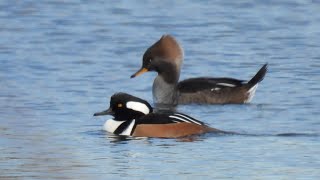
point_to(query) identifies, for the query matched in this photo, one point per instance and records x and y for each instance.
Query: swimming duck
(166, 56)
(135, 117)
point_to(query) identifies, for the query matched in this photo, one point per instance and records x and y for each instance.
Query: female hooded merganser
(166, 57)
(134, 117)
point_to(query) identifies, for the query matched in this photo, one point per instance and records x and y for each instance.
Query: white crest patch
(138, 106)
(226, 84)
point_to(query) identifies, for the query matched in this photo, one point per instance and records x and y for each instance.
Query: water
(60, 61)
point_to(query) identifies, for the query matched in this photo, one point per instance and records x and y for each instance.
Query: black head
(126, 107)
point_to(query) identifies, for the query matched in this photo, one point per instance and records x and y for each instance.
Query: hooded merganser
(134, 117)
(166, 57)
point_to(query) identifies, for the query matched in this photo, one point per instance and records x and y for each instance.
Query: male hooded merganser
(166, 57)
(134, 117)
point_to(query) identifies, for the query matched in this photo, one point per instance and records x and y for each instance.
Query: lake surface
(60, 61)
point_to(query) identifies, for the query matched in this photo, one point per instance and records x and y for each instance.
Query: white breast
(111, 126)
(128, 131)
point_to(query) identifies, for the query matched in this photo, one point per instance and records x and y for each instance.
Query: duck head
(126, 107)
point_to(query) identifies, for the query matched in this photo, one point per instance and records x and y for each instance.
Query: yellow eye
(119, 105)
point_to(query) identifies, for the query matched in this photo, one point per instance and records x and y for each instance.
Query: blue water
(60, 61)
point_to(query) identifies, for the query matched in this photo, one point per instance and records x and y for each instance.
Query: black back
(203, 83)
(167, 118)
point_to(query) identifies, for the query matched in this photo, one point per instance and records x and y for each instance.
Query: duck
(166, 57)
(135, 117)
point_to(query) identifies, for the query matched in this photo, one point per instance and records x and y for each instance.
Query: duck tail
(259, 76)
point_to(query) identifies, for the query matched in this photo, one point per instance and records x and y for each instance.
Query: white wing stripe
(184, 116)
(184, 119)
(176, 117)
(226, 84)
(188, 118)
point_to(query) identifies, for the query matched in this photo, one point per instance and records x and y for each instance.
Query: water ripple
(62, 60)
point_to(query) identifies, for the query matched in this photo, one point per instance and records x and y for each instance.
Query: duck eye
(150, 60)
(119, 105)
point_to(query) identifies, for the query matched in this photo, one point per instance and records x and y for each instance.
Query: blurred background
(60, 61)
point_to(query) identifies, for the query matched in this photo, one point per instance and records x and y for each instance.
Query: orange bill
(141, 71)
